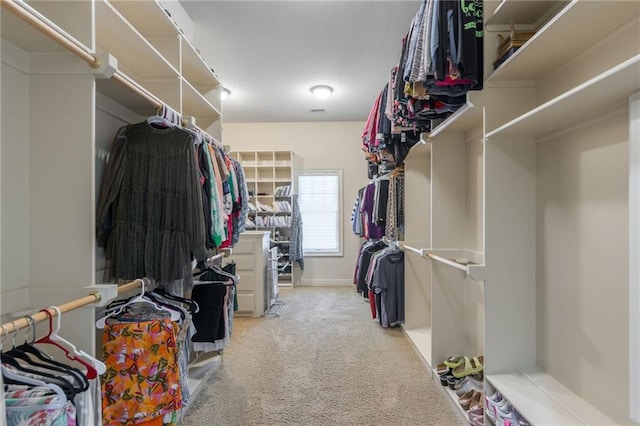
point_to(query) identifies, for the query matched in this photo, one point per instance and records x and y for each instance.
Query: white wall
(317, 146)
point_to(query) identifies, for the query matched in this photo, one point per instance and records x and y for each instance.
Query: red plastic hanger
(91, 373)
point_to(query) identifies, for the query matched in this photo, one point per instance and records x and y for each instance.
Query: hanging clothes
(147, 352)
(296, 238)
(150, 214)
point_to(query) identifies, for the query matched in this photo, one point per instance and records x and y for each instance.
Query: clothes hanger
(52, 338)
(22, 352)
(66, 386)
(193, 305)
(138, 299)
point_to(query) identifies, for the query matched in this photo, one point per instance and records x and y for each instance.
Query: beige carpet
(324, 361)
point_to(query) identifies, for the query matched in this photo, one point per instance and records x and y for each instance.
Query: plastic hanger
(175, 316)
(193, 305)
(53, 339)
(23, 351)
(98, 365)
(17, 378)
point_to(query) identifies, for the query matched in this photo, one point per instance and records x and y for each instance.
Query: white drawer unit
(251, 255)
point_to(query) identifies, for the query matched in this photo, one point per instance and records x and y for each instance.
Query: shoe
(477, 403)
(453, 361)
(491, 402)
(475, 413)
(452, 382)
(514, 418)
(502, 410)
(469, 385)
(465, 399)
(469, 366)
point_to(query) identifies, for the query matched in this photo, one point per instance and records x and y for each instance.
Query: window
(319, 196)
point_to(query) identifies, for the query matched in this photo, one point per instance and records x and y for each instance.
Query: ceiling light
(321, 92)
(225, 93)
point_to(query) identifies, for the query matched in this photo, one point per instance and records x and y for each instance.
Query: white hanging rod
(447, 262)
(421, 252)
(48, 28)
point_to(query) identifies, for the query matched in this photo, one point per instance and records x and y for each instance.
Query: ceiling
(269, 53)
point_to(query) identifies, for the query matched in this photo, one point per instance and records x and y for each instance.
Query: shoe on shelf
(443, 370)
(477, 402)
(469, 366)
(470, 384)
(502, 410)
(465, 400)
(513, 418)
(490, 403)
(453, 361)
(474, 413)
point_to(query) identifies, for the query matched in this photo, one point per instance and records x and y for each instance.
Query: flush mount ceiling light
(321, 91)
(225, 93)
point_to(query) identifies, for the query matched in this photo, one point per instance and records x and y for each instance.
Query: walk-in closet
(320, 212)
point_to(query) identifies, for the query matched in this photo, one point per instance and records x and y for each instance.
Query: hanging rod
(132, 285)
(135, 87)
(448, 262)
(421, 252)
(49, 29)
(40, 316)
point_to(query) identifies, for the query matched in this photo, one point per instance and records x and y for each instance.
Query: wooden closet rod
(55, 33)
(40, 316)
(133, 86)
(132, 285)
(23, 322)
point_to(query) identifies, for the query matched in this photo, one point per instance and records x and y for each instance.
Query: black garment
(365, 260)
(209, 320)
(472, 25)
(150, 215)
(382, 196)
(207, 175)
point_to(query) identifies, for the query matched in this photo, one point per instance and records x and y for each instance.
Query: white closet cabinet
(533, 180)
(253, 265)
(58, 118)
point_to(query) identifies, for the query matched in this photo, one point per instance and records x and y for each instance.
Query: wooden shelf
(117, 36)
(564, 36)
(577, 105)
(542, 400)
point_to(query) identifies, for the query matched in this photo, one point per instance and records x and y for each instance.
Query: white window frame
(318, 172)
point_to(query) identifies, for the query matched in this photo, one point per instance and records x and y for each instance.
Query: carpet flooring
(324, 361)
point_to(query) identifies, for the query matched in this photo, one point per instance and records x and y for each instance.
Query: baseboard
(327, 283)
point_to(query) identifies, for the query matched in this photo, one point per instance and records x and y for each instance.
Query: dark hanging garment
(150, 215)
(472, 26)
(209, 319)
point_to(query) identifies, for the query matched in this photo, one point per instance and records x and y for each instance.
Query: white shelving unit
(266, 171)
(59, 116)
(529, 180)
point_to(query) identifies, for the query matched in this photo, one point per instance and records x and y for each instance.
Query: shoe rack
(530, 244)
(271, 182)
